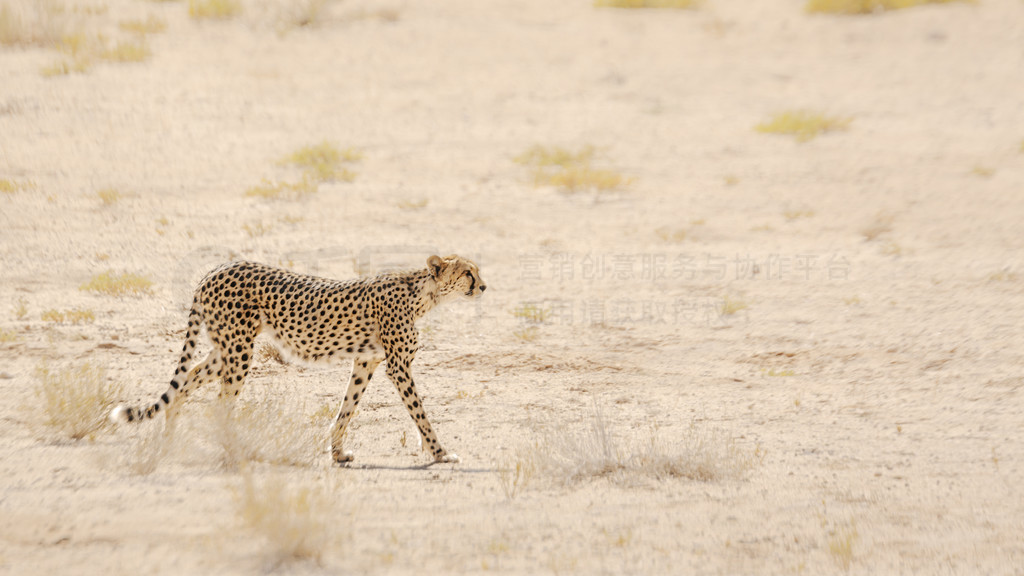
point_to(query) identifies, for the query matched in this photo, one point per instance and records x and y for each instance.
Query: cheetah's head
(456, 276)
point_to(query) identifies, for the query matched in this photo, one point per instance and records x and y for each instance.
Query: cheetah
(315, 320)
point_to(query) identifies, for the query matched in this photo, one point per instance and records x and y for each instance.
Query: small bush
(268, 190)
(298, 521)
(20, 309)
(868, 6)
(150, 25)
(213, 9)
(324, 162)
(268, 432)
(8, 336)
(76, 316)
(127, 51)
(109, 196)
(516, 474)
(677, 4)
(75, 401)
(570, 456)
(14, 186)
(78, 51)
(43, 25)
(568, 170)
(531, 313)
(127, 284)
(841, 542)
(803, 125)
(732, 305)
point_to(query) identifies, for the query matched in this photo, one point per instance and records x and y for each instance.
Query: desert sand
(833, 324)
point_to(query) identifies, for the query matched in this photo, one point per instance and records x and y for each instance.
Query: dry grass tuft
(109, 196)
(8, 336)
(13, 186)
(127, 51)
(841, 542)
(868, 6)
(532, 313)
(569, 456)
(75, 401)
(127, 284)
(41, 25)
(568, 170)
(677, 4)
(803, 125)
(297, 520)
(213, 9)
(269, 352)
(75, 317)
(150, 25)
(268, 190)
(324, 162)
(732, 305)
(267, 432)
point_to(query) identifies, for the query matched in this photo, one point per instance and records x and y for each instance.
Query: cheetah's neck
(424, 293)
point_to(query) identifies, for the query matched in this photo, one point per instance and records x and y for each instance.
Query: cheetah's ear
(435, 264)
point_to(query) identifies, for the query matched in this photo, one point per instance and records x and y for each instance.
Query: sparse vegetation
(256, 229)
(983, 171)
(42, 26)
(111, 284)
(268, 190)
(528, 334)
(75, 400)
(269, 352)
(792, 215)
(378, 14)
(214, 9)
(127, 51)
(109, 196)
(150, 25)
(868, 6)
(412, 204)
(319, 163)
(12, 186)
(677, 4)
(20, 309)
(75, 316)
(567, 170)
(803, 125)
(8, 336)
(531, 313)
(324, 162)
(670, 234)
(516, 474)
(267, 432)
(732, 305)
(569, 456)
(297, 520)
(841, 542)
(303, 14)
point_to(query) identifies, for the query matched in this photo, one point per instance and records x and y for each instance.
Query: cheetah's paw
(343, 457)
(450, 458)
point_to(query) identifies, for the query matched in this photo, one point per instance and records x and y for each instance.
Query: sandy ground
(872, 381)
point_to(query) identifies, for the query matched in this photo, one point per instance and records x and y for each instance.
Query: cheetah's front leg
(362, 372)
(398, 372)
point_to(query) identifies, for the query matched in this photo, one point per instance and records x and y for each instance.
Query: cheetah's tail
(124, 413)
